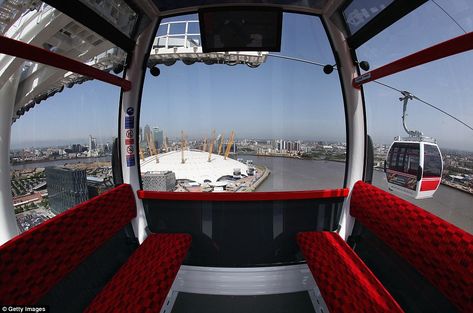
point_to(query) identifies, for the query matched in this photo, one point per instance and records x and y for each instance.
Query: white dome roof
(196, 166)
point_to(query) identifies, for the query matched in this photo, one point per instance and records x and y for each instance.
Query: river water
(448, 203)
(60, 162)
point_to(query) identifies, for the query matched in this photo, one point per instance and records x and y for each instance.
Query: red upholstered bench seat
(34, 262)
(345, 282)
(142, 283)
(440, 251)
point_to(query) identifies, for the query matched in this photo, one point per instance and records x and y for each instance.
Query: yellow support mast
(211, 147)
(229, 144)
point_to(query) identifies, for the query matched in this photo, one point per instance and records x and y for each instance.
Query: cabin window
(404, 158)
(242, 122)
(411, 162)
(432, 162)
(445, 83)
(61, 152)
(63, 123)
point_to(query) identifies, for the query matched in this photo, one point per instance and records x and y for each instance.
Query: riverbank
(59, 162)
(297, 157)
(260, 180)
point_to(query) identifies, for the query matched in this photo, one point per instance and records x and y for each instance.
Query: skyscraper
(147, 132)
(66, 188)
(158, 137)
(92, 145)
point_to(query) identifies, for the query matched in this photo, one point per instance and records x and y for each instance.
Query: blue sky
(282, 99)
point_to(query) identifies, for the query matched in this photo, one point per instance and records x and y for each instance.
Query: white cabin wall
(355, 120)
(8, 226)
(131, 99)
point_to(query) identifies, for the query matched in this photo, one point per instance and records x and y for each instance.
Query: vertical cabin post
(8, 227)
(355, 120)
(129, 123)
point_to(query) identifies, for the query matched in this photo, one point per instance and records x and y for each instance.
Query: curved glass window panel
(359, 12)
(444, 83)
(411, 164)
(432, 162)
(116, 12)
(246, 121)
(61, 152)
(41, 25)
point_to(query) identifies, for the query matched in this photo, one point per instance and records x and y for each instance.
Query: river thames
(448, 203)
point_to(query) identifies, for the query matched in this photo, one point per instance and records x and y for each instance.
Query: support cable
(426, 103)
(295, 59)
(379, 83)
(451, 17)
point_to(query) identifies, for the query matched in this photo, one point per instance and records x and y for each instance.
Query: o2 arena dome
(194, 166)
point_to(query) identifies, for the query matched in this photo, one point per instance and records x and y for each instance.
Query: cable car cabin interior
(261, 190)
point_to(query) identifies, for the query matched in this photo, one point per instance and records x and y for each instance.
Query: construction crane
(229, 144)
(182, 147)
(220, 145)
(211, 147)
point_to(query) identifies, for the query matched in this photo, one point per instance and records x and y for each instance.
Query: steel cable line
(451, 17)
(425, 102)
(285, 57)
(379, 83)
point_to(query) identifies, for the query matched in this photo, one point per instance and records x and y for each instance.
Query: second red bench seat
(143, 282)
(345, 282)
(439, 251)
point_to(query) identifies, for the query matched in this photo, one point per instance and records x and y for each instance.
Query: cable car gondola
(414, 164)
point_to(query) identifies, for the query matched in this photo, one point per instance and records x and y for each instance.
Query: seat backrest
(440, 251)
(33, 262)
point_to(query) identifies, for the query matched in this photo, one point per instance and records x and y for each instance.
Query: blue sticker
(130, 111)
(130, 160)
(129, 122)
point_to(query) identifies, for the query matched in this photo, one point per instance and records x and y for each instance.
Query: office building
(66, 188)
(158, 137)
(159, 181)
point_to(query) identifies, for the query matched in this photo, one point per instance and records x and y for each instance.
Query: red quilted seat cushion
(345, 282)
(143, 282)
(33, 262)
(440, 251)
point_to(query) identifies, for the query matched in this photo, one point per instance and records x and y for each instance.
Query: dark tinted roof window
(358, 13)
(166, 5)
